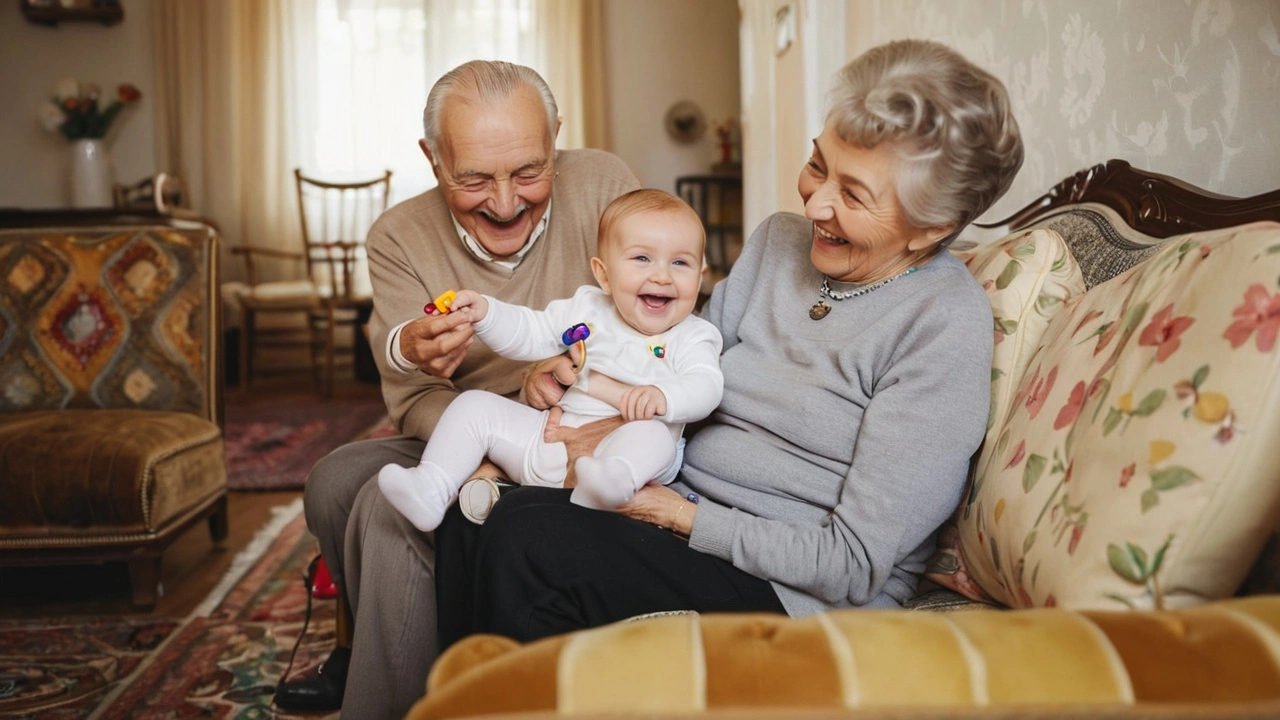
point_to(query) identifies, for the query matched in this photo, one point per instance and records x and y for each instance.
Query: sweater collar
(478, 252)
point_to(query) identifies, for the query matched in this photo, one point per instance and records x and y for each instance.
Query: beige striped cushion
(1227, 651)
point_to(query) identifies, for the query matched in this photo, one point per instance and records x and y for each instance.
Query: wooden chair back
(335, 218)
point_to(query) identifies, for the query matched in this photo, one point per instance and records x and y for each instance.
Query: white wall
(783, 97)
(659, 52)
(1188, 89)
(33, 161)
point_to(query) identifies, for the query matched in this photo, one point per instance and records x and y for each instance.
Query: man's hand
(437, 344)
(579, 441)
(547, 380)
(642, 403)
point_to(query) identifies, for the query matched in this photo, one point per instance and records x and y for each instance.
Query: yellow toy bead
(445, 301)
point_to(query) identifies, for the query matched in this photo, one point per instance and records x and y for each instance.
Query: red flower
(1040, 392)
(1018, 453)
(70, 103)
(1021, 395)
(1076, 532)
(1260, 311)
(1163, 332)
(128, 93)
(1126, 474)
(1070, 411)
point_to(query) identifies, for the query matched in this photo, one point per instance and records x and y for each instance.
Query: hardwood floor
(191, 566)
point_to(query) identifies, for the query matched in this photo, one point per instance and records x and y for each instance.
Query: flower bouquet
(75, 113)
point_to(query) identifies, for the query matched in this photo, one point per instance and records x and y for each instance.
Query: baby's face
(652, 267)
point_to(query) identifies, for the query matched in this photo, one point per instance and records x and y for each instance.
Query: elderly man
(511, 217)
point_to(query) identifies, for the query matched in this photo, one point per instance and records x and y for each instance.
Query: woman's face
(859, 233)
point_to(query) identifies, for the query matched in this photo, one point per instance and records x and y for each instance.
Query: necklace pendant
(819, 310)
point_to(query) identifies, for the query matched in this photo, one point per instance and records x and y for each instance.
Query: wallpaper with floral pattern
(1188, 88)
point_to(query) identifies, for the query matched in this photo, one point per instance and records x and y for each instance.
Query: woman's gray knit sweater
(841, 444)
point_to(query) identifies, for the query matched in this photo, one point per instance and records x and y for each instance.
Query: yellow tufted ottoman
(1219, 660)
(110, 397)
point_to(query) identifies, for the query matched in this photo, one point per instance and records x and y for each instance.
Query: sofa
(111, 414)
(1115, 553)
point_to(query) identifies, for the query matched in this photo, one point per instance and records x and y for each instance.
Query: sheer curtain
(247, 90)
(375, 61)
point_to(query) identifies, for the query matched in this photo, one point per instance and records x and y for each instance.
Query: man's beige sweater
(415, 254)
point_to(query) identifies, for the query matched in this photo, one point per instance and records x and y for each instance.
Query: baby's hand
(472, 303)
(642, 403)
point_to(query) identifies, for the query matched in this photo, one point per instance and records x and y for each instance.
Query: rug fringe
(245, 559)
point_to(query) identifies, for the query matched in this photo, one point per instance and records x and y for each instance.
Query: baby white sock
(604, 483)
(420, 494)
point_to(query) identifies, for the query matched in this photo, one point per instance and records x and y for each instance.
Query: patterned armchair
(110, 395)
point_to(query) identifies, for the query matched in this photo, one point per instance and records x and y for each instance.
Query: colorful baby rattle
(441, 305)
(577, 335)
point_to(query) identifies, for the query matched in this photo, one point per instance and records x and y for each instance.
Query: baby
(650, 361)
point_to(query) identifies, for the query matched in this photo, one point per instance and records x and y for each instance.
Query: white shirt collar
(510, 263)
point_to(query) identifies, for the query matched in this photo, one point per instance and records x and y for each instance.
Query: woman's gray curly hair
(949, 122)
(487, 81)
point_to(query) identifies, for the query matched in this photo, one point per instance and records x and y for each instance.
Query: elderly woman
(857, 360)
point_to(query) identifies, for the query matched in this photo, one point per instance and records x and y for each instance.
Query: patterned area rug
(273, 446)
(221, 662)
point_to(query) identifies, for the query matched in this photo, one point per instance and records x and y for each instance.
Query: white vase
(90, 175)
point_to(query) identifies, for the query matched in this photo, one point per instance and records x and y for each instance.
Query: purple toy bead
(577, 333)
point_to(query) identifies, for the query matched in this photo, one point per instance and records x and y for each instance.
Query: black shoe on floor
(321, 692)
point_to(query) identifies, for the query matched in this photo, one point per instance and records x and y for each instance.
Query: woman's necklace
(820, 308)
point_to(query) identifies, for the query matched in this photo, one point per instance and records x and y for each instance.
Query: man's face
(496, 167)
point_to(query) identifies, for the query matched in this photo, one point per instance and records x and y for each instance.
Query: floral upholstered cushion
(1137, 465)
(1028, 275)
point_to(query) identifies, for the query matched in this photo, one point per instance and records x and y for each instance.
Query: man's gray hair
(486, 81)
(949, 122)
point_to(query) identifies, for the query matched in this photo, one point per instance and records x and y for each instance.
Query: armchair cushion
(1136, 465)
(80, 475)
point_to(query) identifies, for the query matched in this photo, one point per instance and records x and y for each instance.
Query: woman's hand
(580, 441)
(661, 506)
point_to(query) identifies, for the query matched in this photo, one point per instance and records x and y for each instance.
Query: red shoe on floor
(322, 585)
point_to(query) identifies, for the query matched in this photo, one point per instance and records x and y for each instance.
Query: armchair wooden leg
(315, 345)
(330, 349)
(219, 522)
(246, 342)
